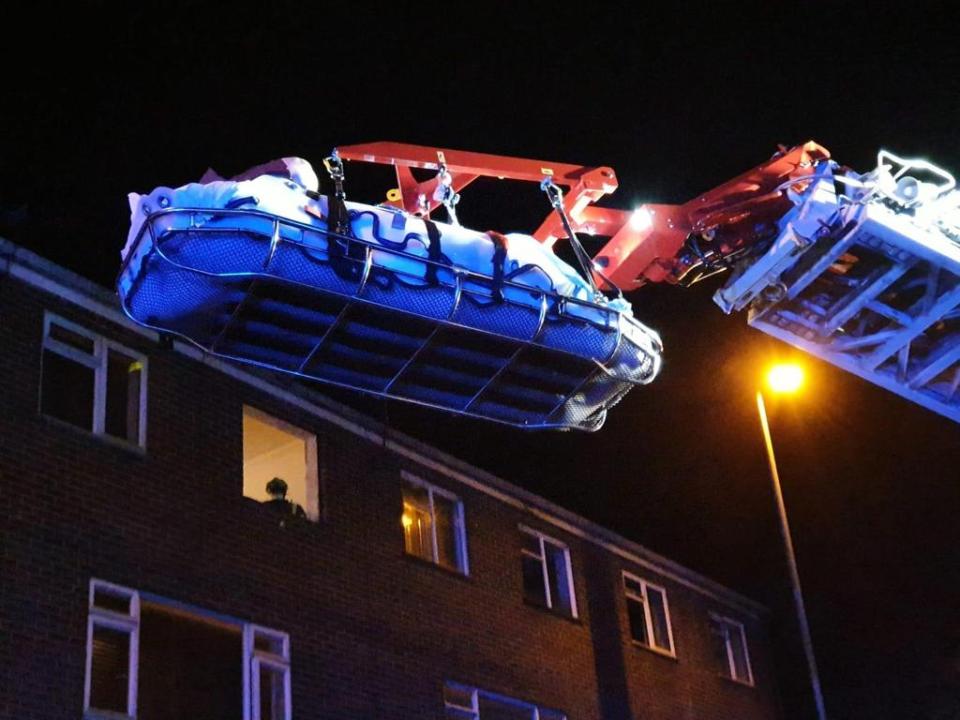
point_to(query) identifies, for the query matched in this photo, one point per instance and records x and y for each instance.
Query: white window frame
(314, 508)
(459, 523)
(728, 625)
(98, 362)
(542, 557)
(476, 693)
(648, 613)
(123, 622)
(253, 658)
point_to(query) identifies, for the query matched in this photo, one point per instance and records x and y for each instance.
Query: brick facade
(374, 633)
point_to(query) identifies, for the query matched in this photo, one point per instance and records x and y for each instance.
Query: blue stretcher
(263, 289)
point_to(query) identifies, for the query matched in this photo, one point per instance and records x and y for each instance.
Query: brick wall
(374, 633)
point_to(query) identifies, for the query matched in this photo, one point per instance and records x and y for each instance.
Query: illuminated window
(153, 660)
(547, 574)
(93, 383)
(433, 527)
(730, 649)
(648, 613)
(462, 702)
(273, 448)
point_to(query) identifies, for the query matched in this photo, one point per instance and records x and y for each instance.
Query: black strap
(499, 256)
(435, 254)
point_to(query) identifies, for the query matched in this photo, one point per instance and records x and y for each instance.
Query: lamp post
(788, 379)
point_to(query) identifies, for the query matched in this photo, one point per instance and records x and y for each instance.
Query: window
(462, 702)
(93, 383)
(730, 648)
(275, 449)
(433, 527)
(547, 575)
(154, 660)
(648, 613)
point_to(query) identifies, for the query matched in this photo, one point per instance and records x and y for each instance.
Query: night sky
(677, 101)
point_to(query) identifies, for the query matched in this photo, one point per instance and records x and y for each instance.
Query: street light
(789, 379)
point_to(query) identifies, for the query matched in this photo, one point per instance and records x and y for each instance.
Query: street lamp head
(785, 378)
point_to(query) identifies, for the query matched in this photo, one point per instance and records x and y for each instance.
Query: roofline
(36, 271)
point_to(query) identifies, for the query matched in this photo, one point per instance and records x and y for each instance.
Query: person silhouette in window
(277, 490)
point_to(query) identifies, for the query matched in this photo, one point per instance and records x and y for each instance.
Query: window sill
(555, 613)
(108, 440)
(735, 681)
(655, 650)
(419, 561)
(284, 521)
(91, 714)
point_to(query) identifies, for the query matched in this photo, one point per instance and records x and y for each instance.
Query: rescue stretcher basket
(268, 291)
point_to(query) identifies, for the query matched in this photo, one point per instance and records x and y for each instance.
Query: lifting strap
(445, 194)
(435, 253)
(499, 256)
(339, 218)
(344, 264)
(555, 196)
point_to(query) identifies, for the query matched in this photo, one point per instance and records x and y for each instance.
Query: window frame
(114, 620)
(252, 657)
(314, 506)
(629, 595)
(98, 361)
(476, 693)
(459, 523)
(726, 623)
(543, 540)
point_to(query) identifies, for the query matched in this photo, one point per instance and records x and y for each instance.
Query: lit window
(547, 575)
(93, 383)
(276, 449)
(148, 659)
(730, 649)
(462, 702)
(648, 613)
(433, 527)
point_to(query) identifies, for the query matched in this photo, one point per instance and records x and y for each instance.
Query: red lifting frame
(644, 250)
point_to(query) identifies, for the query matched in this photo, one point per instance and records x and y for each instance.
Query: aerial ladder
(859, 270)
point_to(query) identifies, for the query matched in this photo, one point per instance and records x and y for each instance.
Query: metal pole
(792, 563)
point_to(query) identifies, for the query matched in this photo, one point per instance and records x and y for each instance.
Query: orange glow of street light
(785, 378)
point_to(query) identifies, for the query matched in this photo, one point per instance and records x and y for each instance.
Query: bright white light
(786, 378)
(641, 219)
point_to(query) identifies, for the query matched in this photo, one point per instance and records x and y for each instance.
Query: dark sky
(677, 100)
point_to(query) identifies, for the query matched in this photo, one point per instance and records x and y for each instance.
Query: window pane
(718, 633)
(124, 375)
(274, 449)
(658, 614)
(268, 643)
(109, 669)
(68, 337)
(531, 543)
(533, 587)
(272, 699)
(740, 667)
(67, 390)
(417, 526)
(497, 709)
(557, 574)
(638, 621)
(103, 598)
(447, 537)
(189, 668)
(458, 696)
(633, 586)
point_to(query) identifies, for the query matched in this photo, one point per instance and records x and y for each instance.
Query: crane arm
(862, 271)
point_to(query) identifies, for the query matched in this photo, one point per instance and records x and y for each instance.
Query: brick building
(142, 574)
